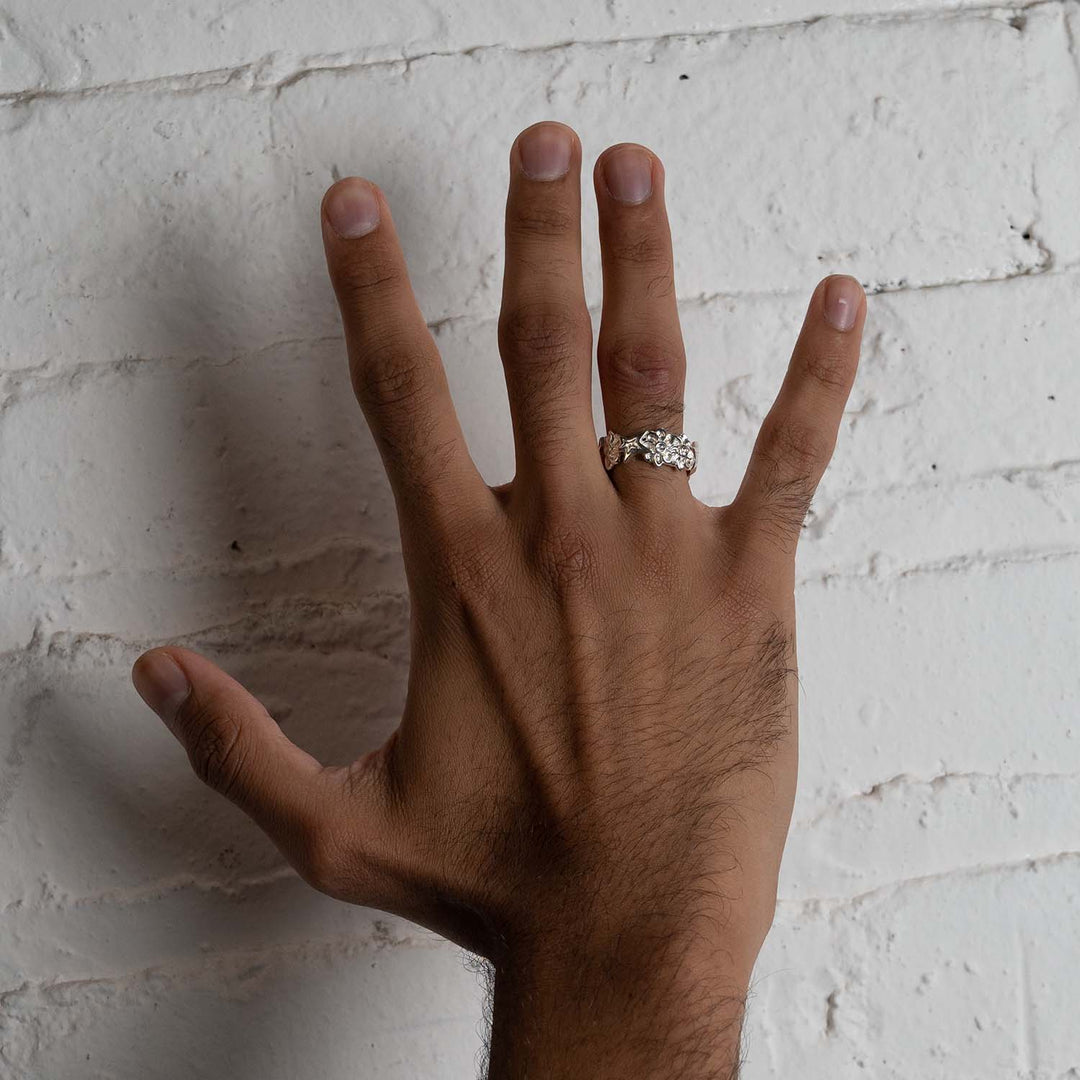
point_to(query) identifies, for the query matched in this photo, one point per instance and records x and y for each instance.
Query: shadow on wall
(270, 544)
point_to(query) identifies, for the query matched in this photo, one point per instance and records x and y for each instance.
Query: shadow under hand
(272, 548)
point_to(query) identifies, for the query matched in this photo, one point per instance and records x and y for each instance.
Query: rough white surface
(180, 460)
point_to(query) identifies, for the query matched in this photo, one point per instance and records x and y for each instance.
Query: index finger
(397, 373)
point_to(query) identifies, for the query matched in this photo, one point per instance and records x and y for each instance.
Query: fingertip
(629, 173)
(550, 126)
(625, 147)
(352, 207)
(545, 150)
(843, 299)
(161, 682)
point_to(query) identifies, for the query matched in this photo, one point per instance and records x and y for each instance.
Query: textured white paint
(180, 460)
(61, 45)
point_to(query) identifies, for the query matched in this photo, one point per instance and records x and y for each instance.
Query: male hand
(593, 777)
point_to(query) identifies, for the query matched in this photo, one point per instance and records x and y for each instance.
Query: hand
(593, 777)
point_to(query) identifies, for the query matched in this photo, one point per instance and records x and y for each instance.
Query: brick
(181, 460)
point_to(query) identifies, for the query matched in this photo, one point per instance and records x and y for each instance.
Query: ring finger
(640, 354)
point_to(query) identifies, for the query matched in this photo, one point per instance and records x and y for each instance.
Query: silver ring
(656, 445)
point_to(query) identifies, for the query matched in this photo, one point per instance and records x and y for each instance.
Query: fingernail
(628, 174)
(161, 683)
(843, 295)
(545, 152)
(352, 208)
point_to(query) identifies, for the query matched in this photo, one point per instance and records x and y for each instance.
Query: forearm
(557, 1016)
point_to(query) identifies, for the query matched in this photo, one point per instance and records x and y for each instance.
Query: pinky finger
(798, 435)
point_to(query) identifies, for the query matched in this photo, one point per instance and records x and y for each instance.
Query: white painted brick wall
(180, 460)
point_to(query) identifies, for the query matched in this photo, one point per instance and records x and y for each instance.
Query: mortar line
(378, 939)
(41, 645)
(216, 78)
(39, 378)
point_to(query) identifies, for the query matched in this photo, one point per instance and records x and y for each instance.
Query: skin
(593, 777)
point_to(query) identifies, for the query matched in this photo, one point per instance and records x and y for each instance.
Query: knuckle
(566, 555)
(473, 571)
(650, 362)
(377, 271)
(390, 375)
(642, 251)
(831, 369)
(542, 334)
(793, 456)
(428, 462)
(334, 849)
(531, 219)
(658, 559)
(799, 449)
(660, 285)
(323, 860)
(216, 747)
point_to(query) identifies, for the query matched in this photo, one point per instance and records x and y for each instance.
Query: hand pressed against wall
(593, 777)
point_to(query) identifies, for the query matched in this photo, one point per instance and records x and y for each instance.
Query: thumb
(236, 747)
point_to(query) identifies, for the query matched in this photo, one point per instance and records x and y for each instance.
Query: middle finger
(545, 334)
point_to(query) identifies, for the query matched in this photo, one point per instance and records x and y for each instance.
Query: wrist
(648, 1003)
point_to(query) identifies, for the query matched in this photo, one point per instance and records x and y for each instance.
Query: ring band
(655, 445)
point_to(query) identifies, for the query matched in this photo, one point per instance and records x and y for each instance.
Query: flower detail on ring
(656, 445)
